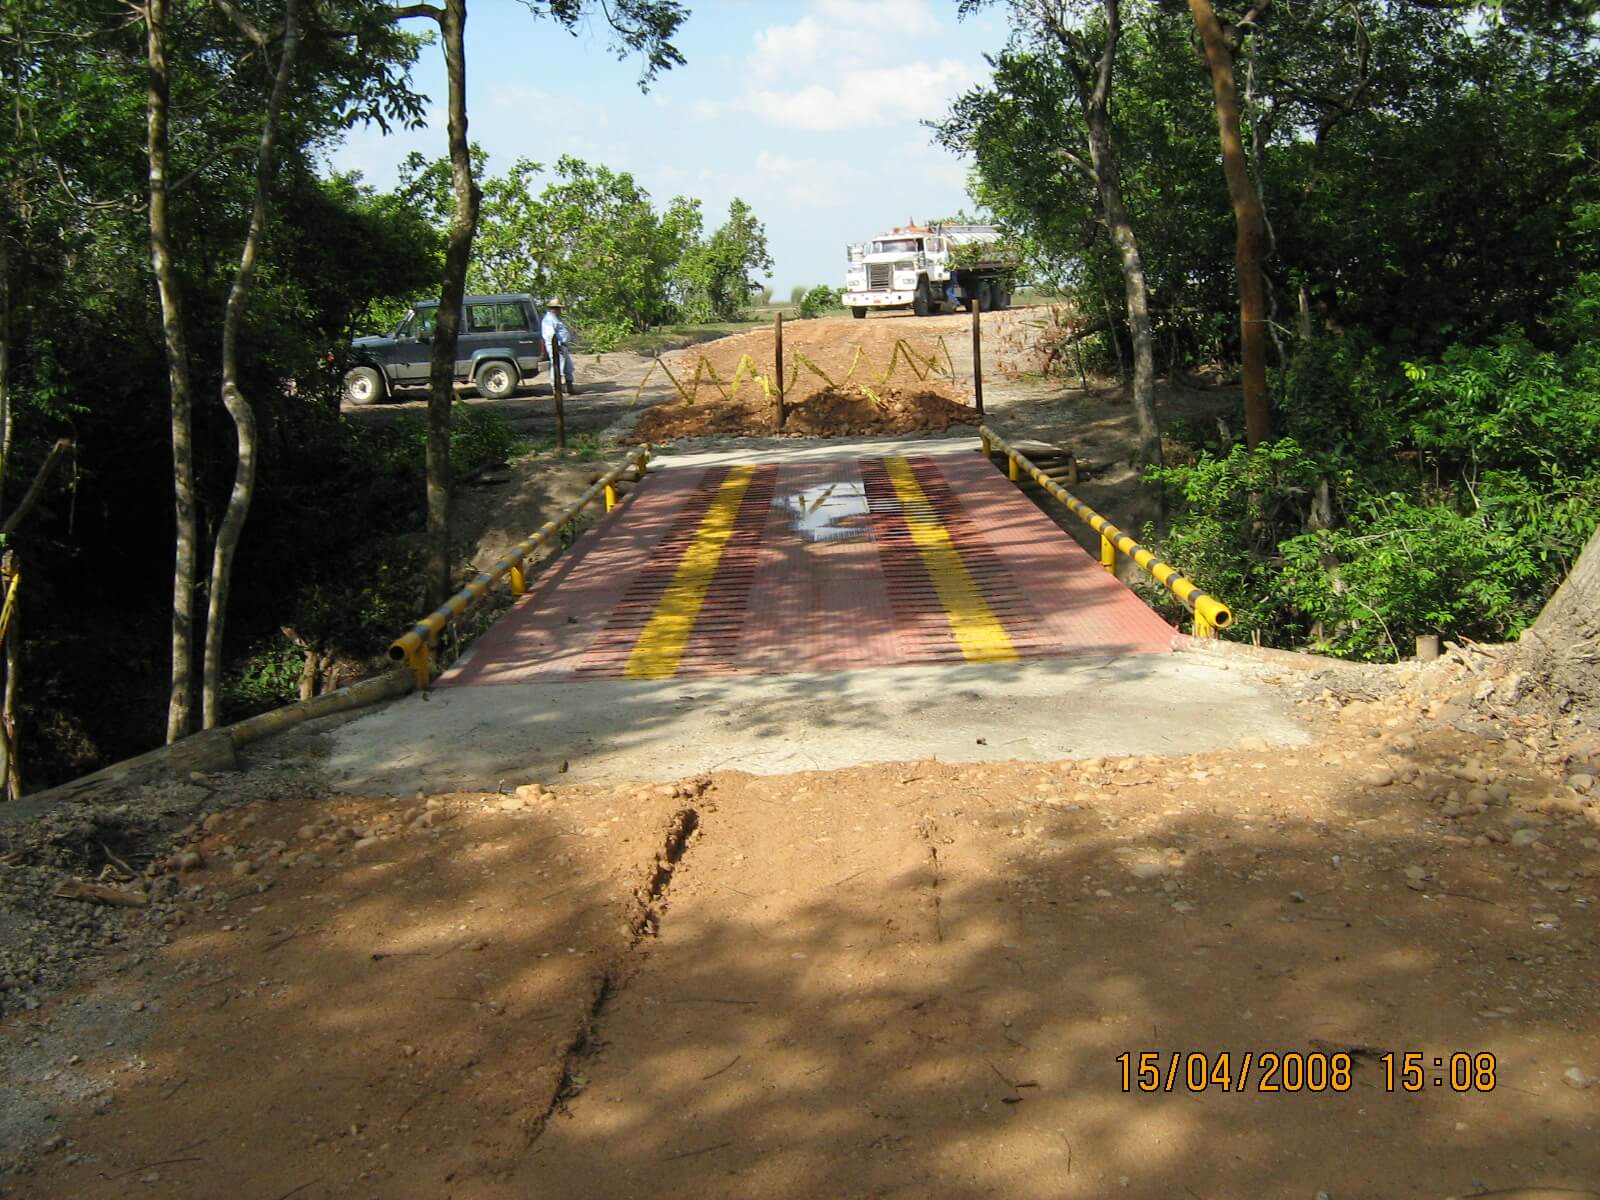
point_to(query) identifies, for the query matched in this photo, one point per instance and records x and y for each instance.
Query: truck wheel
(1002, 297)
(986, 296)
(920, 302)
(363, 385)
(859, 314)
(496, 380)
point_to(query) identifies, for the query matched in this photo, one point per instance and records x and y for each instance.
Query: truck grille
(879, 276)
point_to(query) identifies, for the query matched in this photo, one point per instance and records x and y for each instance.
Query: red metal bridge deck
(813, 566)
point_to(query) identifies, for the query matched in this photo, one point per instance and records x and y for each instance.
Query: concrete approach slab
(620, 730)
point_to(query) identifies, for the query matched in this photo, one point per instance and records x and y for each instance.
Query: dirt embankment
(842, 378)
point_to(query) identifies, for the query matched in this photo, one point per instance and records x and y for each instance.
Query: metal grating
(721, 611)
(934, 595)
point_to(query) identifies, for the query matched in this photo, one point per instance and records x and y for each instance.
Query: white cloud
(864, 98)
(779, 45)
(848, 64)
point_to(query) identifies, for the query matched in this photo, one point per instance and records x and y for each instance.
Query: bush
(819, 300)
(1460, 491)
(797, 293)
(479, 437)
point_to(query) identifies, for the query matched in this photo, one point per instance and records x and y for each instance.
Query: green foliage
(713, 278)
(1232, 512)
(585, 447)
(266, 678)
(1460, 492)
(1403, 566)
(479, 438)
(798, 293)
(819, 300)
(594, 237)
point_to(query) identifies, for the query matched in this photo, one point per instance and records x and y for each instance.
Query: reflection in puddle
(832, 512)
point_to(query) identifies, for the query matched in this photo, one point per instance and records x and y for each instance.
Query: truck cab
(911, 267)
(498, 350)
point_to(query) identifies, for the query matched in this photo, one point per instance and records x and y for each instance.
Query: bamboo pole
(977, 356)
(561, 411)
(777, 337)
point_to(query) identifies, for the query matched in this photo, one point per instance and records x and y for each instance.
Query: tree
(1560, 653)
(451, 19)
(715, 278)
(180, 700)
(1058, 76)
(233, 394)
(639, 25)
(592, 236)
(1220, 43)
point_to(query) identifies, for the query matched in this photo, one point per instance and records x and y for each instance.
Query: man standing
(557, 344)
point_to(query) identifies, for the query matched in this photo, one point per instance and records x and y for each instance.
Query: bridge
(808, 607)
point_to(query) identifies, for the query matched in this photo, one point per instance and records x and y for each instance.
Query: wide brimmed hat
(554, 302)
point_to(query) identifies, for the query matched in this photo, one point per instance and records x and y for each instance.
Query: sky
(808, 110)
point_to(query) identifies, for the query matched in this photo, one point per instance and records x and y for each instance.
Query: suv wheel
(363, 385)
(496, 380)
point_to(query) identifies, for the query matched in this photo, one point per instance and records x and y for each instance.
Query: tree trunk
(5, 360)
(8, 707)
(1247, 218)
(1119, 226)
(1093, 74)
(1554, 670)
(458, 250)
(9, 751)
(180, 699)
(1573, 613)
(233, 397)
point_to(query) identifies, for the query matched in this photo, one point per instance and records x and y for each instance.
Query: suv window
(511, 317)
(419, 324)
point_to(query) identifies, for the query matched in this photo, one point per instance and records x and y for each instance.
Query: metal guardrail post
(415, 646)
(1210, 614)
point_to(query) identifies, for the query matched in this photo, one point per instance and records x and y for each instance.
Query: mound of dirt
(841, 378)
(844, 411)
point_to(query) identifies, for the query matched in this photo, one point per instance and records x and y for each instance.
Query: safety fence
(415, 646)
(1210, 614)
(919, 363)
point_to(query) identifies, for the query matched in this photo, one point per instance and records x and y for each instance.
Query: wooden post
(777, 337)
(1427, 647)
(977, 358)
(561, 412)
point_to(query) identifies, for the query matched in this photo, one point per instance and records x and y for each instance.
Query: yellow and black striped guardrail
(415, 646)
(1210, 614)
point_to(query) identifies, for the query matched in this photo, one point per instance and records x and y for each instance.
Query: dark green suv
(499, 349)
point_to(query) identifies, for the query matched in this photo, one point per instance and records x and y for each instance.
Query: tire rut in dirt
(646, 923)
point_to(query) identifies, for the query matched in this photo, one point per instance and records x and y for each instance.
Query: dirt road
(913, 979)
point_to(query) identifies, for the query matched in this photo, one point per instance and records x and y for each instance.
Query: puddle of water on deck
(829, 512)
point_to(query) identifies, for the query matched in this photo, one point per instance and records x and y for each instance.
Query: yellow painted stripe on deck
(977, 630)
(659, 650)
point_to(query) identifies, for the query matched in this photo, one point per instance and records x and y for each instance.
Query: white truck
(928, 268)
